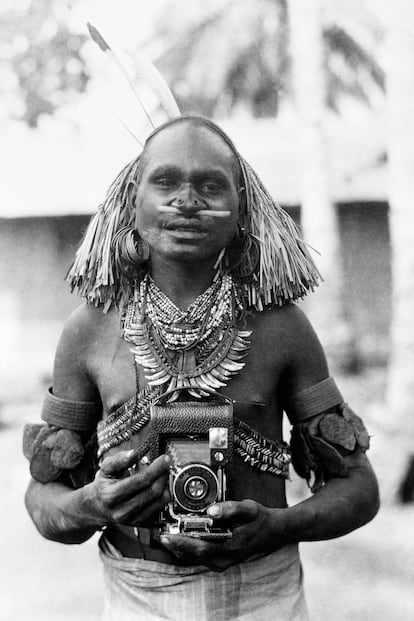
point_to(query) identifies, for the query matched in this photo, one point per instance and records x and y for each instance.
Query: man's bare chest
(255, 389)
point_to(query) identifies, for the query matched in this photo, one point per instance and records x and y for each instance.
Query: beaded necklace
(199, 349)
(179, 329)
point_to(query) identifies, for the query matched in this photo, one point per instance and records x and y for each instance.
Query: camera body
(198, 437)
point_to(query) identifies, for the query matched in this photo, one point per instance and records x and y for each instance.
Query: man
(188, 198)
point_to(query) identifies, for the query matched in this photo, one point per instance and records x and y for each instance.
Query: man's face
(194, 169)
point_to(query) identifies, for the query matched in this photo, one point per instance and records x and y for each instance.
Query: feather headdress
(284, 270)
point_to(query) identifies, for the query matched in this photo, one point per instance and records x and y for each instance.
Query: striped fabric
(268, 588)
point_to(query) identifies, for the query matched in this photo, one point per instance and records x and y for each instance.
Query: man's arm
(337, 508)
(72, 516)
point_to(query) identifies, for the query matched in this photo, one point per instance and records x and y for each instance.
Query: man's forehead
(179, 140)
(201, 141)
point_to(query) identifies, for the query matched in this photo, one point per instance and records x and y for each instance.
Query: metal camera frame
(210, 417)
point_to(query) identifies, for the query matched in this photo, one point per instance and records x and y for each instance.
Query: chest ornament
(198, 350)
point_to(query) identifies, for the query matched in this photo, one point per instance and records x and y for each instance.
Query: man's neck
(181, 281)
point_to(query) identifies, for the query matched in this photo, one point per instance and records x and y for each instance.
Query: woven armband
(65, 447)
(81, 416)
(325, 429)
(314, 400)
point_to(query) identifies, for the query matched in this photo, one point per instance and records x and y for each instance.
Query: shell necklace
(199, 349)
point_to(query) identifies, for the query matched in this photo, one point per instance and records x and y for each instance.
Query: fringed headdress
(285, 271)
(282, 269)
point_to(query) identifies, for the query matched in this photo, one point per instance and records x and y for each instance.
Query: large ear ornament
(131, 252)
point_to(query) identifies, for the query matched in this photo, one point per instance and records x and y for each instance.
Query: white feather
(145, 75)
(148, 73)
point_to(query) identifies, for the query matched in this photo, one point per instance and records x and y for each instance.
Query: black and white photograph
(206, 310)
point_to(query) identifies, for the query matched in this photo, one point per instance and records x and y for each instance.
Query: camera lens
(196, 488)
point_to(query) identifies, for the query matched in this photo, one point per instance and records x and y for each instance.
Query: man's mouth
(188, 227)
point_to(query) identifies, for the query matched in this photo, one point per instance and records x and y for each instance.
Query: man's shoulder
(86, 330)
(285, 322)
(87, 321)
(286, 333)
(85, 334)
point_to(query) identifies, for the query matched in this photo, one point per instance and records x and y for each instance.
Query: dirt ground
(365, 576)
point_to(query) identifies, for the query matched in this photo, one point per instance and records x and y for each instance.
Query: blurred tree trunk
(400, 93)
(318, 215)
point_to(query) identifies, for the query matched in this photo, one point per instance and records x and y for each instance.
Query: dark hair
(201, 121)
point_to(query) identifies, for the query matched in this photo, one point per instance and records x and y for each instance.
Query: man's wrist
(76, 518)
(290, 524)
(87, 508)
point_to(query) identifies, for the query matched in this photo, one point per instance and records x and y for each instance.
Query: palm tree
(237, 52)
(400, 95)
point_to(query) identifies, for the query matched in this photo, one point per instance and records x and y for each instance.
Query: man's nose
(187, 200)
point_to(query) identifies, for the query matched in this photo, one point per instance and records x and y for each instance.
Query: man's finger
(136, 510)
(152, 480)
(194, 551)
(116, 465)
(232, 511)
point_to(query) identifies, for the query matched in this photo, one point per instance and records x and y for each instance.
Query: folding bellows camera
(198, 437)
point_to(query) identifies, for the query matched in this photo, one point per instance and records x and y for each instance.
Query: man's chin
(186, 253)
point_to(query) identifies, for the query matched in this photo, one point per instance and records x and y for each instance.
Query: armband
(76, 415)
(65, 447)
(324, 430)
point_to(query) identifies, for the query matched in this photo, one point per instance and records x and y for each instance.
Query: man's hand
(256, 529)
(339, 507)
(120, 498)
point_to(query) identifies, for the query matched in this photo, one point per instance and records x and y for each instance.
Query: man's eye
(210, 188)
(165, 183)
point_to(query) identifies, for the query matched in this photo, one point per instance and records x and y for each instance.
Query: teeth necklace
(199, 349)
